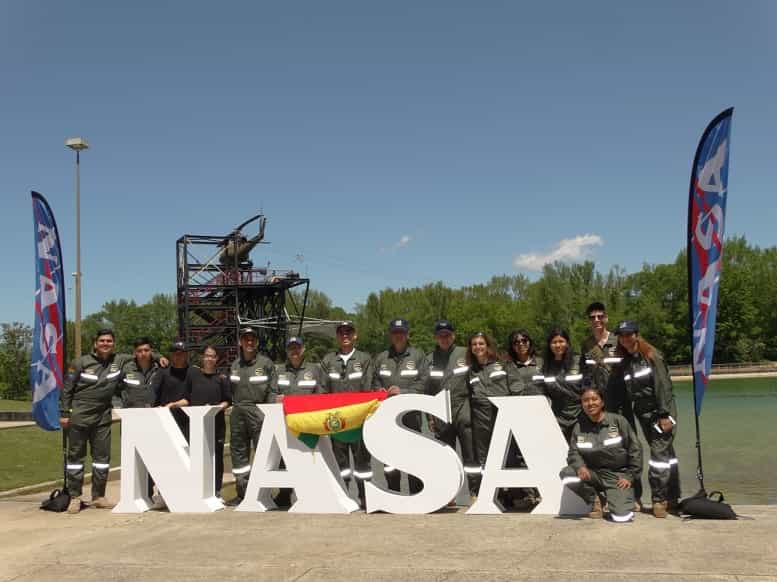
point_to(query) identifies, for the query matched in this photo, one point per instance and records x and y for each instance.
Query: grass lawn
(31, 455)
(15, 405)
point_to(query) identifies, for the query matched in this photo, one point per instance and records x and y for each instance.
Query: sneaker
(596, 511)
(102, 503)
(659, 508)
(75, 505)
(234, 502)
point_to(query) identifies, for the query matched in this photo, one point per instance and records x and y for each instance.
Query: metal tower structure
(220, 291)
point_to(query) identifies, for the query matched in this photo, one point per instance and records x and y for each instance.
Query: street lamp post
(77, 144)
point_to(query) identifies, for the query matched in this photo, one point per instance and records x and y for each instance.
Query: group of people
(618, 381)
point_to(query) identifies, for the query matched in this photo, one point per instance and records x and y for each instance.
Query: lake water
(738, 436)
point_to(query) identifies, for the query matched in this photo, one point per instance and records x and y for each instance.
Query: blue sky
(390, 144)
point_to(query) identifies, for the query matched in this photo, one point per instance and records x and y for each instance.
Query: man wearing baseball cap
(448, 369)
(252, 375)
(294, 376)
(401, 369)
(349, 370)
(170, 387)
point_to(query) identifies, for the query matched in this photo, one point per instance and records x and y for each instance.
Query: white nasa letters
(436, 464)
(313, 474)
(530, 420)
(152, 443)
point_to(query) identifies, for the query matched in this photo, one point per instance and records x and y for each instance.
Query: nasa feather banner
(48, 341)
(706, 228)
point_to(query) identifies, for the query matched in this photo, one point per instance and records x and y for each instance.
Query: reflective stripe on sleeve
(662, 464)
(385, 373)
(643, 372)
(90, 377)
(436, 373)
(613, 360)
(569, 480)
(113, 375)
(334, 375)
(345, 472)
(257, 379)
(132, 382)
(357, 375)
(284, 383)
(409, 373)
(622, 518)
(497, 374)
(585, 445)
(241, 470)
(363, 474)
(388, 469)
(474, 380)
(591, 362)
(613, 441)
(235, 378)
(460, 370)
(306, 383)
(573, 377)
(538, 378)
(472, 470)
(102, 466)
(74, 467)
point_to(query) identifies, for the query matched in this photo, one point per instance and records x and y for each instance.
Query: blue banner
(706, 227)
(48, 341)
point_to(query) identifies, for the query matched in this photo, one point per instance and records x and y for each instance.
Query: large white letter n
(151, 442)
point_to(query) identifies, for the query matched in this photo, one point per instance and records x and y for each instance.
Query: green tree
(15, 351)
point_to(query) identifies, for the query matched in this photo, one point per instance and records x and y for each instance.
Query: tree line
(656, 296)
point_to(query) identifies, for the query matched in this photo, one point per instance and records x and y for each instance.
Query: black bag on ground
(703, 506)
(57, 501)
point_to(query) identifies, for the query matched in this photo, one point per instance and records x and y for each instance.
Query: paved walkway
(97, 545)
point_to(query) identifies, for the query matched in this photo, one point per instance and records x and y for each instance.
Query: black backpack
(703, 506)
(57, 501)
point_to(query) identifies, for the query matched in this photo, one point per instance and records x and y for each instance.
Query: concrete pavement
(97, 545)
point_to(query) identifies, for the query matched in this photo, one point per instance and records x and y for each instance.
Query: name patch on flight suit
(461, 362)
(308, 375)
(357, 366)
(612, 431)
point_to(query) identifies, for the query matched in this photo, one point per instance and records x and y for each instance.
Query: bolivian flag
(341, 416)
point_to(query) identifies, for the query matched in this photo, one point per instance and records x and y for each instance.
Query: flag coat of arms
(340, 416)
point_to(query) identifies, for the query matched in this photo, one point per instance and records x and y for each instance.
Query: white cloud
(567, 250)
(403, 241)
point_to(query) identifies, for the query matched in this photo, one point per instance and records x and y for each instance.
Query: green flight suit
(307, 379)
(350, 373)
(563, 388)
(87, 394)
(610, 450)
(251, 385)
(448, 370)
(485, 381)
(408, 371)
(648, 387)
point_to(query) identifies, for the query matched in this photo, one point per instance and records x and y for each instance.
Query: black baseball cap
(345, 324)
(248, 331)
(627, 326)
(399, 324)
(444, 325)
(295, 339)
(179, 347)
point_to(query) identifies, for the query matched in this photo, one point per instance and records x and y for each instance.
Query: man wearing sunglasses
(597, 361)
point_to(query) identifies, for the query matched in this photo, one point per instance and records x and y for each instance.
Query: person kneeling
(604, 458)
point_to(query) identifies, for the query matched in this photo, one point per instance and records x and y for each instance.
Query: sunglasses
(597, 317)
(521, 340)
